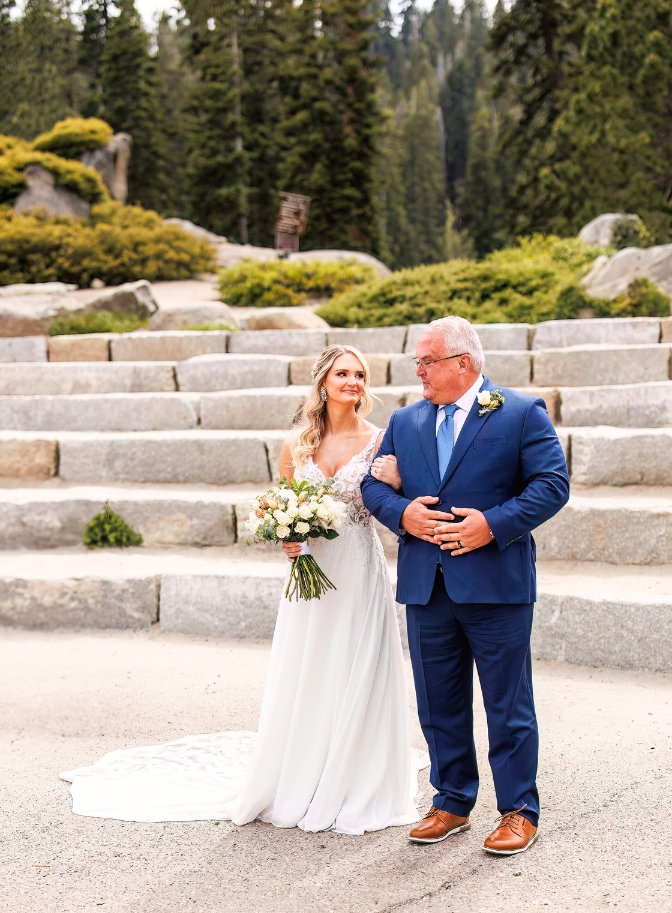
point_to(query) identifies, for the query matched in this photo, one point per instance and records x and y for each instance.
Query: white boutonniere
(489, 400)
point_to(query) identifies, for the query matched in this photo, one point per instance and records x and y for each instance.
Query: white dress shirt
(464, 404)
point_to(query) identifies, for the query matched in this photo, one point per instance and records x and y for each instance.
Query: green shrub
(630, 233)
(536, 280)
(68, 173)
(74, 136)
(281, 283)
(96, 322)
(9, 143)
(117, 244)
(209, 327)
(108, 530)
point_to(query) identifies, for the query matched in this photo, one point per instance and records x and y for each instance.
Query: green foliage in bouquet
(108, 530)
(74, 136)
(96, 322)
(284, 283)
(116, 244)
(537, 279)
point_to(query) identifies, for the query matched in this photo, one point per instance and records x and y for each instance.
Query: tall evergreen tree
(95, 20)
(481, 199)
(44, 85)
(331, 122)
(130, 102)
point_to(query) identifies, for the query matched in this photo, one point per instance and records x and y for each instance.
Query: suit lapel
(472, 425)
(427, 434)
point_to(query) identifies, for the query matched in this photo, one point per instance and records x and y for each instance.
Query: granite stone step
(587, 613)
(63, 378)
(635, 528)
(593, 365)
(619, 456)
(641, 405)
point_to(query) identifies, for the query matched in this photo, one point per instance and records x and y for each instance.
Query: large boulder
(201, 313)
(43, 192)
(286, 319)
(611, 276)
(231, 254)
(601, 229)
(30, 314)
(111, 163)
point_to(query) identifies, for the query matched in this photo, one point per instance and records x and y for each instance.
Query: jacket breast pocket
(495, 440)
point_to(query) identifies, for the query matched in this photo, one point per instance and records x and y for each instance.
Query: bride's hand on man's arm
(385, 469)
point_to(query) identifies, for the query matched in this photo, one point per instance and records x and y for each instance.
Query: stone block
(57, 518)
(167, 346)
(106, 412)
(301, 367)
(228, 605)
(616, 633)
(413, 333)
(621, 456)
(273, 442)
(592, 365)
(82, 602)
(23, 348)
(374, 339)
(129, 298)
(625, 331)
(60, 379)
(508, 369)
(26, 459)
(201, 313)
(493, 336)
(262, 408)
(189, 457)
(666, 329)
(612, 530)
(81, 347)
(285, 318)
(402, 371)
(209, 373)
(624, 405)
(389, 399)
(278, 342)
(564, 438)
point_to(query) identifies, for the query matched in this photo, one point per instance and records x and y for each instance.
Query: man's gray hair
(459, 336)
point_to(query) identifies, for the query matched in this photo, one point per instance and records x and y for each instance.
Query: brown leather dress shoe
(437, 825)
(514, 834)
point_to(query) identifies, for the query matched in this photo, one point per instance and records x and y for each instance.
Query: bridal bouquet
(294, 512)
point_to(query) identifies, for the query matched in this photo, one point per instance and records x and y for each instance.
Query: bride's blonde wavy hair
(310, 419)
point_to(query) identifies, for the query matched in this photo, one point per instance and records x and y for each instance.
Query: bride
(333, 747)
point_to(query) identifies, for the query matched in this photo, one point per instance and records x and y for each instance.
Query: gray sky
(149, 8)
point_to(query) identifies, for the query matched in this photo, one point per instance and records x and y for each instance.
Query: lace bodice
(358, 534)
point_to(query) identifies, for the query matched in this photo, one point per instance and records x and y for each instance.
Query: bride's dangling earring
(323, 394)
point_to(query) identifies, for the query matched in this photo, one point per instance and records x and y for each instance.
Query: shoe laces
(512, 820)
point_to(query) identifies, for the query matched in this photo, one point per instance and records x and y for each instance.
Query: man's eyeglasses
(426, 364)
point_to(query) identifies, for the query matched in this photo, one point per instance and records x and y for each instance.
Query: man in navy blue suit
(463, 477)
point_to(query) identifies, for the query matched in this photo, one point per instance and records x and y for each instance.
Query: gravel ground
(66, 698)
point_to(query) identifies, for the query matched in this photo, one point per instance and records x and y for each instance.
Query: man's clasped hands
(436, 526)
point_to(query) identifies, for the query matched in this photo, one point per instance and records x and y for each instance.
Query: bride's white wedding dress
(333, 744)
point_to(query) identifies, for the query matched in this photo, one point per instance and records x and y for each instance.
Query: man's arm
(380, 499)
(546, 479)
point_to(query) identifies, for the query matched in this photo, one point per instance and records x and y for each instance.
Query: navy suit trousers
(445, 639)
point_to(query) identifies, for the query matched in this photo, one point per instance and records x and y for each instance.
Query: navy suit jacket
(508, 463)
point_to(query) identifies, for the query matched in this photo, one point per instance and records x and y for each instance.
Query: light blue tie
(445, 438)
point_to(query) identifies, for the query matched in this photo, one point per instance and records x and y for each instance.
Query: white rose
(483, 398)
(302, 528)
(292, 512)
(253, 523)
(336, 523)
(281, 517)
(305, 511)
(282, 532)
(322, 512)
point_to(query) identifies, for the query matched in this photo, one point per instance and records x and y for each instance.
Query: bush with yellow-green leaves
(73, 136)
(285, 283)
(116, 244)
(537, 279)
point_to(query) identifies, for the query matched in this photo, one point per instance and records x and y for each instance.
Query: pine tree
(331, 122)
(481, 199)
(44, 85)
(10, 60)
(95, 20)
(130, 102)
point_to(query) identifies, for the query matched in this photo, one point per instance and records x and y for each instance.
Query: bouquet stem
(307, 580)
